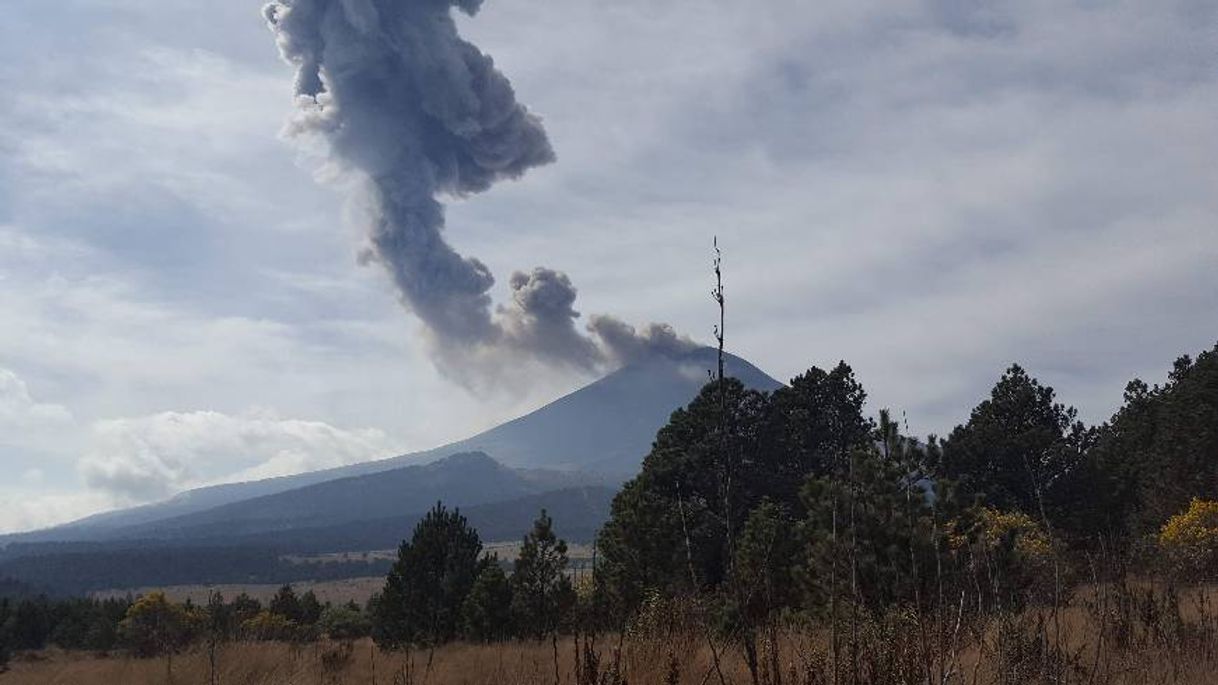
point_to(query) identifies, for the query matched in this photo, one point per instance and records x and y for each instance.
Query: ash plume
(417, 114)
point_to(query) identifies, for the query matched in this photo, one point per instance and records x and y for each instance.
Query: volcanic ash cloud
(417, 114)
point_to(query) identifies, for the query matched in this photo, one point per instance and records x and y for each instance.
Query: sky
(928, 190)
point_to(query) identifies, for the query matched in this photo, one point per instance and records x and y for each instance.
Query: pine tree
(541, 591)
(310, 608)
(1016, 445)
(424, 592)
(487, 611)
(286, 604)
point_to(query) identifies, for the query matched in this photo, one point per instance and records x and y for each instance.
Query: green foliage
(814, 425)
(714, 462)
(643, 548)
(344, 622)
(1160, 450)
(679, 496)
(32, 624)
(6, 632)
(541, 591)
(243, 608)
(87, 624)
(286, 604)
(310, 609)
(423, 594)
(767, 553)
(884, 531)
(487, 612)
(1016, 444)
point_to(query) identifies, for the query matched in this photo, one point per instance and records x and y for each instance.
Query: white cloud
(19, 411)
(147, 458)
(32, 509)
(123, 461)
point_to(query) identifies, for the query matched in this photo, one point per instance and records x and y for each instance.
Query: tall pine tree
(423, 594)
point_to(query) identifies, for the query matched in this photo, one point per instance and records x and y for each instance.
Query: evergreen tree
(541, 590)
(487, 612)
(679, 495)
(814, 425)
(286, 604)
(1158, 452)
(244, 608)
(1016, 446)
(310, 608)
(889, 539)
(31, 624)
(6, 632)
(422, 599)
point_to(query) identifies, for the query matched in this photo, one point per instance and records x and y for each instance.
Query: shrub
(1190, 539)
(155, 626)
(267, 625)
(1017, 553)
(344, 623)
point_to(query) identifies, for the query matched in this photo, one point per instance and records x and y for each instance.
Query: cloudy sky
(929, 190)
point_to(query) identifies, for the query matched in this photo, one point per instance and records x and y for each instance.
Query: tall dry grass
(1115, 633)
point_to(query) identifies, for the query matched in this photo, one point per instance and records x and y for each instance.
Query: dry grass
(1130, 634)
(281, 664)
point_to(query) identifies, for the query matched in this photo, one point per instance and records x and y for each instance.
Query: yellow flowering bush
(1031, 543)
(268, 626)
(1190, 539)
(1015, 552)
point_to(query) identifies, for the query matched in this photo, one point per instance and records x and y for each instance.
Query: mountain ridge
(596, 435)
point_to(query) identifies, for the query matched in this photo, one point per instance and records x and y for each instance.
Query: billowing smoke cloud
(420, 114)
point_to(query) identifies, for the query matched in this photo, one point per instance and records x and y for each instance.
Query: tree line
(152, 625)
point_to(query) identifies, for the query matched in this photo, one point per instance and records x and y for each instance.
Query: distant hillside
(577, 512)
(461, 480)
(597, 434)
(64, 568)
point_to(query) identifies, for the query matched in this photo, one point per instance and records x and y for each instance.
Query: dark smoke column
(419, 114)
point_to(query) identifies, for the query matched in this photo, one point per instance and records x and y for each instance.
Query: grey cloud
(541, 318)
(421, 114)
(625, 344)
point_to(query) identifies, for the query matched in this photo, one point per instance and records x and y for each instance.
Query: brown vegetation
(1127, 634)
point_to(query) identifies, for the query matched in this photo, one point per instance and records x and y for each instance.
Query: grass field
(1098, 639)
(679, 661)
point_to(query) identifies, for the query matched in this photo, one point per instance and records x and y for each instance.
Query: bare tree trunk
(212, 647)
(693, 582)
(833, 643)
(854, 581)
